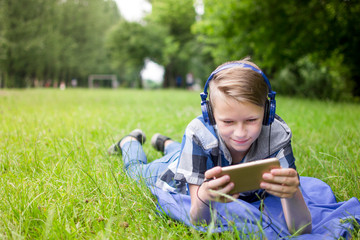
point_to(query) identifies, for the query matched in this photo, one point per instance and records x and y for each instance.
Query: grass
(57, 181)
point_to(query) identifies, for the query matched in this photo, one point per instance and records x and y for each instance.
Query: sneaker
(137, 133)
(158, 141)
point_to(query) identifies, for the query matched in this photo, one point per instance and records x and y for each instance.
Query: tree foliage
(176, 17)
(164, 36)
(281, 35)
(53, 41)
(130, 43)
(309, 48)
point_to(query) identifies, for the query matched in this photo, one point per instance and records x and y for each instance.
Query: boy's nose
(240, 131)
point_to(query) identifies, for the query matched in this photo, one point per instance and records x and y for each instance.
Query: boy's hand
(281, 182)
(220, 184)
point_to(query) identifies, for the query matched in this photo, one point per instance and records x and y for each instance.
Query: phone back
(248, 176)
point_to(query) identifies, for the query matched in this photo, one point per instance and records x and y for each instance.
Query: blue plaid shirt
(202, 149)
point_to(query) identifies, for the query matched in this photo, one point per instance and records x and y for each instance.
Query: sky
(152, 71)
(133, 10)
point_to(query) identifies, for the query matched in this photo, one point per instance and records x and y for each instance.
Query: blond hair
(240, 83)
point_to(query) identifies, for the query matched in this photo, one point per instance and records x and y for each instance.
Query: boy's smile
(239, 124)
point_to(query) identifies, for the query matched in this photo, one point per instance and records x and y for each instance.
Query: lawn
(57, 181)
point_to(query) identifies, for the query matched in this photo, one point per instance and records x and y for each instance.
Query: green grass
(57, 181)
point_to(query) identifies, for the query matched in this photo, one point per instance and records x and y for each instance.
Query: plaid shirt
(202, 149)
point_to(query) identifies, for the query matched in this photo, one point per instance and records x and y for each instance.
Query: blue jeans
(137, 167)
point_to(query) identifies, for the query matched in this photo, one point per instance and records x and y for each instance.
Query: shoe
(158, 141)
(137, 133)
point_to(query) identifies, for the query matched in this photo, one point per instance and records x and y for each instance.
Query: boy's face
(239, 124)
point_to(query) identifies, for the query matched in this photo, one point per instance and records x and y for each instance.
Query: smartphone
(248, 176)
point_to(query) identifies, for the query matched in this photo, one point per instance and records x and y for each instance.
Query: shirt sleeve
(197, 145)
(286, 157)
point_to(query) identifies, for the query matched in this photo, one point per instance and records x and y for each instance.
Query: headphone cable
(261, 206)
(269, 142)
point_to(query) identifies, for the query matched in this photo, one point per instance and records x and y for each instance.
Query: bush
(328, 79)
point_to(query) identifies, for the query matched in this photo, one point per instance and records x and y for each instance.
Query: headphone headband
(271, 94)
(242, 65)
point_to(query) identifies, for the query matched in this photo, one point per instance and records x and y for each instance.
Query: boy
(238, 125)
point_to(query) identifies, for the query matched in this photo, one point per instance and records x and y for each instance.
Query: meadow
(58, 182)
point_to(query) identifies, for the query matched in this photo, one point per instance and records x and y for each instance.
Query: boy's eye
(252, 120)
(227, 122)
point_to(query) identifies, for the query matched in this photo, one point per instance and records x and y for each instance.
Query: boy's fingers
(236, 195)
(213, 172)
(279, 190)
(280, 180)
(287, 176)
(224, 190)
(280, 195)
(219, 185)
(218, 182)
(290, 172)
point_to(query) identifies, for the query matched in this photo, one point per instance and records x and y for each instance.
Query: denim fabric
(137, 167)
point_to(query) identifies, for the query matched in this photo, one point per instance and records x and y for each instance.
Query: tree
(53, 41)
(130, 43)
(176, 17)
(22, 39)
(164, 36)
(83, 27)
(278, 34)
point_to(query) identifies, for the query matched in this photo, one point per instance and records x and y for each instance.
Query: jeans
(137, 167)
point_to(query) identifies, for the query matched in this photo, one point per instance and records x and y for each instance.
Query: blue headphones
(270, 104)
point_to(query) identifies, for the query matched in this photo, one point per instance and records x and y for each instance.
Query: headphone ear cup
(205, 111)
(272, 109)
(266, 113)
(210, 113)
